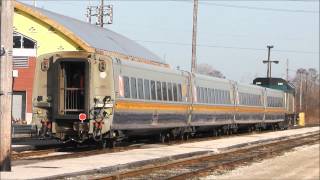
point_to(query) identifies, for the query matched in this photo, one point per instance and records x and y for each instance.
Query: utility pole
(269, 61)
(287, 71)
(194, 37)
(34, 3)
(102, 13)
(306, 94)
(6, 35)
(300, 93)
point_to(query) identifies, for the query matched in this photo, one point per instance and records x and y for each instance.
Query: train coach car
(149, 99)
(116, 99)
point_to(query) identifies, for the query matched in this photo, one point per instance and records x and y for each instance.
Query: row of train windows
(137, 88)
(250, 99)
(275, 101)
(213, 96)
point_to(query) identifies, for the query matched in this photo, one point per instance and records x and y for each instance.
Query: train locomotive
(122, 99)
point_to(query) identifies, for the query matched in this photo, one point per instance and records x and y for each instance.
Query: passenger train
(121, 99)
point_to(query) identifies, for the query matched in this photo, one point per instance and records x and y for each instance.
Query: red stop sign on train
(82, 116)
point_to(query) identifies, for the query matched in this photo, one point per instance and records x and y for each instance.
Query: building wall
(48, 39)
(24, 83)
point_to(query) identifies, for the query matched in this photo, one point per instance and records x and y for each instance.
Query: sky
(232, 35)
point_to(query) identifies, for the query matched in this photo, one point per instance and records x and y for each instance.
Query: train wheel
(103, 144)
(112, 143)
(235, 131)
(215, 133)
(162, 138)
(186, 136)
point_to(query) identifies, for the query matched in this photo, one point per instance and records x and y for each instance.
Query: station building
(38, 31)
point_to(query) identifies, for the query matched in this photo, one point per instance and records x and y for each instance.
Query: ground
(300, 164)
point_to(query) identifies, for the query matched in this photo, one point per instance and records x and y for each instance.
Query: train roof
(91, 35)
(274, 83)
(146, 66)
(206, 77)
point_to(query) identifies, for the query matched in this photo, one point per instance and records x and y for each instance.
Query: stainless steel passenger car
(123, 98)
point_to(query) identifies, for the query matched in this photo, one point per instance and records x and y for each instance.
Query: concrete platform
(115, 161)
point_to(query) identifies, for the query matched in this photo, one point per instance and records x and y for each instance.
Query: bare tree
(207, 69)
(307, 83)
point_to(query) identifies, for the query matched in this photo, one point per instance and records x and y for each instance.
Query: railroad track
(204, 165)
(73, 152)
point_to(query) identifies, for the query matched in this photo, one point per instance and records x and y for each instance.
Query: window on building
(17, 42)
(21, 41)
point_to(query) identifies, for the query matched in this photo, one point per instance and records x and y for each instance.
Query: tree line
(307, 93)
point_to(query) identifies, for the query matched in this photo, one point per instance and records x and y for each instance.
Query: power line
(261, 8)
(225, 47)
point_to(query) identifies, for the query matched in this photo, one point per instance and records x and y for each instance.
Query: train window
(175, 95)
(170, 97)
(201, 94)
(212, 96)
(218, 96)
(209, 96)
(205, 95)
(133, 83)
(246, 99)
(179, 93)
(159, 94)
(250, 99)
(147, 89)
(228, 98)
(164, 91)
(140, 89)
(214, 101)
(224, 97)
(126, 87)
(153, 90)
(198, 94)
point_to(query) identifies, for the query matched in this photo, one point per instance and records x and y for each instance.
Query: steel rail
(201, 166)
